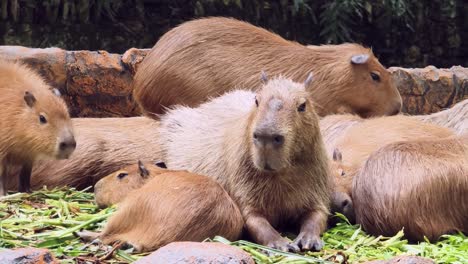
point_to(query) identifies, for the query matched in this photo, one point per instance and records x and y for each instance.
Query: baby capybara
(113, 188)
(34, 123)
(363, 138)
(207, 57)
(266, 150)
(419, 185)
(171, 206)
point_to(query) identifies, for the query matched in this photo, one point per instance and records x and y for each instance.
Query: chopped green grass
(50, 218)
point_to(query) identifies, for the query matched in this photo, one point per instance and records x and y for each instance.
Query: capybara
(419, 185)
(207, 57)
(334, 128)
(363, 138)
(34, 120)
(172, 206)
(266, 150)
(455, 118)
(113, 188)
(104, 146)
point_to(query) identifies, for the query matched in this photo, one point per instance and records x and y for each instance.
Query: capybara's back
(207, 57)
(34, 122)
(420, 185)
(174, 206)
(455, 118)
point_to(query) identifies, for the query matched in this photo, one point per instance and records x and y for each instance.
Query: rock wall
(98, 83)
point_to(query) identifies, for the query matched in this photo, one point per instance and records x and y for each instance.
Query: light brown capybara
(34, 120)
(104, 146)
(113, 188)
(455, 118)
(419, 185)
(266, 150)
(171, 206)
(352, 150)
(207, 57)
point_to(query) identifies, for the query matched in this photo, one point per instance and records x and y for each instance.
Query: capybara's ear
(29, 99)
(142, 169)
(359, 58)
(309, 79)
(263, 77)
(337, 156)
(161, 164)
(56, 92)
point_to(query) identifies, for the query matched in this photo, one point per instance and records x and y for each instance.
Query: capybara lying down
(207, 57)
(360, 140)
(171, 206)
(419, 185)
(113, 188)
(34, 124)
(104, 146)
(455, 118)
(266, 150)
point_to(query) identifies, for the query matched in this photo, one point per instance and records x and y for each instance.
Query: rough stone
(199, 253)
(27, 256)
(403, 260)
(99, 84)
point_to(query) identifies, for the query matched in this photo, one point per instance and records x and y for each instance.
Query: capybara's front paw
(283, 245)
(307, 241)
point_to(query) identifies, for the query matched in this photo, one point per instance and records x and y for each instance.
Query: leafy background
(407, 33)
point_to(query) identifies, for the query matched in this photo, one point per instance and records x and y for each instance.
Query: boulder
(27, 256)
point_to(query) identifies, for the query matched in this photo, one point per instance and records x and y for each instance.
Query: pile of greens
(50, 218)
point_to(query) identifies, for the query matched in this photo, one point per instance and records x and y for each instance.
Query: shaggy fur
(455, 118)
(421, 186)
(216, 139)
(25, 99)
(207, 57)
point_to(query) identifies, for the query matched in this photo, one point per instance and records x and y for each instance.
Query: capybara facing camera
(207, 57)
(35, 123)
(266, 150)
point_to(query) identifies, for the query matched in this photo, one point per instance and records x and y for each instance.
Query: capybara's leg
(263, 233)
(2, 180)
(25, 178)
(312, 226)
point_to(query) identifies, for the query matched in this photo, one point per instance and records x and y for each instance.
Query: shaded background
(406, 33)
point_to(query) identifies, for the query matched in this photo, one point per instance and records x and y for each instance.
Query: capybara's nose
(342, 203)
(397, 109)
(260, 138)
(68, 144)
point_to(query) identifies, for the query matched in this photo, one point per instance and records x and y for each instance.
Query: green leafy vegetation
(50, 218)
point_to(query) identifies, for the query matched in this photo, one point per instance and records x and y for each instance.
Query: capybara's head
(283, 112)
(366, 87)
(113, 188)
(341, 201)
(43, 124)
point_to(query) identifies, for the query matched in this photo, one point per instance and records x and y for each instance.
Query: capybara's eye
(42, 119)
(375, 76)
(256, 101)
(301, 107)
(122, 175)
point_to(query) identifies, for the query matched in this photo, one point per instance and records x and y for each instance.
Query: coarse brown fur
(334, 128)
(419, 185)
(207, 57)
(455, 118)
(173, 206)
(364, 138)
(35, 123)
(113, 188)
(278, 176)
(104, 146)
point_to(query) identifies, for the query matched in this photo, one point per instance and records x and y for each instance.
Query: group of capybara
(246, 134)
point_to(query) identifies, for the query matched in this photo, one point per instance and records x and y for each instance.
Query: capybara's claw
(308, 242)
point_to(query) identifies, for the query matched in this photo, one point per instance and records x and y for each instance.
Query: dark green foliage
(401, 32)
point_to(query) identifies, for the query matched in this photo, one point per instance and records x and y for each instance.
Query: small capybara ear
(56, 92)
(337, 156)
(29, 99)
(142, 169)
(161, 164)
(359, 58)
(309, 79)
(263, 77)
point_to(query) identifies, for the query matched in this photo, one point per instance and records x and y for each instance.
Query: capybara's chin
(269, 162)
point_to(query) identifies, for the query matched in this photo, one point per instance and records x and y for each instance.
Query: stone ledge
(98, 83)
